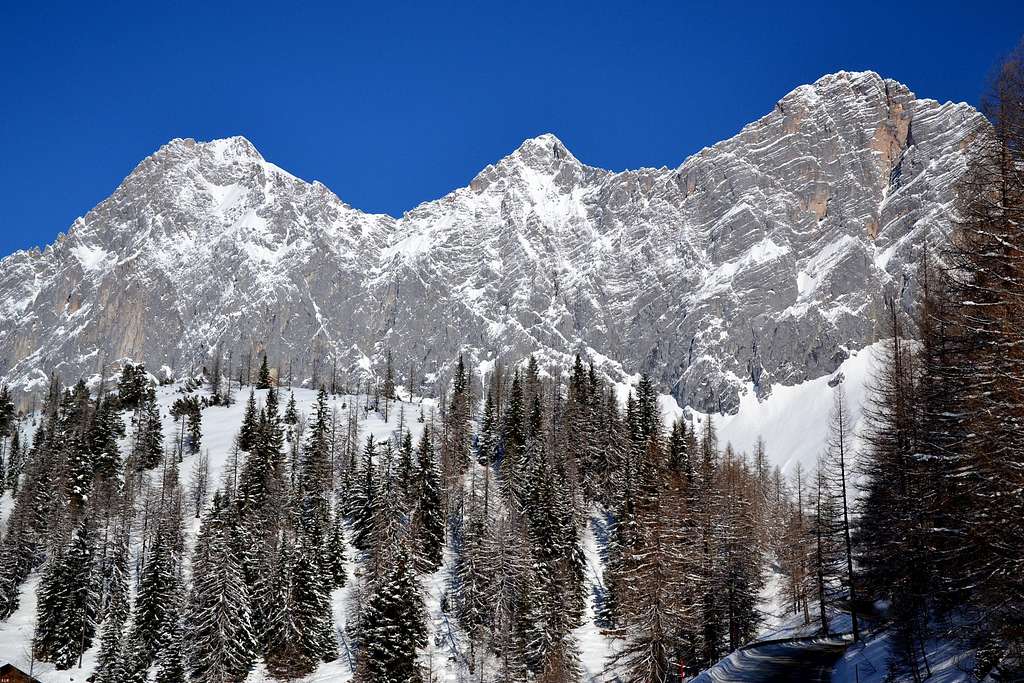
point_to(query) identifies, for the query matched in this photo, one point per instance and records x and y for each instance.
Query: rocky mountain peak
(544, 151)
(537, 161)
(222, 150)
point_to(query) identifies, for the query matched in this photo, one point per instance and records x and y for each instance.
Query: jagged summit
(757, 261)
(546, 148)
(531, 163)
(232, 148)
(853, 77)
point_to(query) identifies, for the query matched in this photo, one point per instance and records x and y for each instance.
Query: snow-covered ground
(805, 660)
(866, 662)
(595, 646)
(793, 420)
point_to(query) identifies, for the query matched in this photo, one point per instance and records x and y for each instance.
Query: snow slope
(794, 420)
(867, 662)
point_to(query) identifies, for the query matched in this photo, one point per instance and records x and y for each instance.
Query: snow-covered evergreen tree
(156, 602)
(222, 646)
(364, 499)
(264, 380)
(428, 523)
(246, 434)
(149, 435)
(109, 662)
(336, 555)
(392, 625)
(68, 600)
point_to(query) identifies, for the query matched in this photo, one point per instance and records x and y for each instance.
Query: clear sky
(390, 103)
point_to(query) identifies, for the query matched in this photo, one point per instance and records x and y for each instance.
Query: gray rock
(762, 259)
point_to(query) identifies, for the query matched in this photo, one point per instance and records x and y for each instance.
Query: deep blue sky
(393, 105)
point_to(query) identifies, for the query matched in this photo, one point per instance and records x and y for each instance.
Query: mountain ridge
(756, 260)
(241, 138)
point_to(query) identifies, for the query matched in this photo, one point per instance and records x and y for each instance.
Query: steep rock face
(761, 259)
(203, 244)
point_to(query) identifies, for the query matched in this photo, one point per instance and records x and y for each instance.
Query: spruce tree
(107, 427)
(149, 435)
(389, 381)
(472, 573)
(317, 476)
(310, 603)
(291, 417)
(22, 547)
(512, 568)
(158, 594)
(283, 652)
(392, 625)
(365, 499)
(7, 413)
(263, 380)
(171, 661)
(131, 389)
(247, 433)
(14, 463)
(264, 508)
(259, 478)
(67, 611)
(488, 439)
(218, 620)
(79, 471)
(195, 430)
(514, 439)
(336, 568)
(428, 522)
(678, 451)
(109, 661)
(457, 437)
(406, 473)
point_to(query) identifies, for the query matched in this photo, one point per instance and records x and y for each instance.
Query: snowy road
(804, 660)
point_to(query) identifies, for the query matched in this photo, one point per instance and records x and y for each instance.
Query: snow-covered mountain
(761, 259)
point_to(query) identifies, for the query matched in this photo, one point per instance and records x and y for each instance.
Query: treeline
(941, 532)
(684, 527)
(492, 499)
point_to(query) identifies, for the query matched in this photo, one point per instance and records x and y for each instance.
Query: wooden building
(12, 674)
